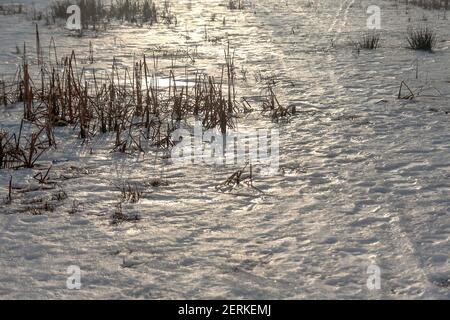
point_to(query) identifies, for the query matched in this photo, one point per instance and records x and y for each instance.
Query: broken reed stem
(410, 96)
(82, 113)
(147, 99)
(9, 199)
(38, 47)
(28, 95)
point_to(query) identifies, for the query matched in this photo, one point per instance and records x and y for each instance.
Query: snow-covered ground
(364, 177)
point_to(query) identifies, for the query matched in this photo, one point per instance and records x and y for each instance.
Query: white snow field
(364, 177)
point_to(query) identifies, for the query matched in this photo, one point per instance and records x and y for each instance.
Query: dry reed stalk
(52, 45)
(147, 98)
(28, 95)
(230, 77)
(91, 53)
(27, 155)
(138, 83)
(38, 47)
(9, 199)
(69, 89)
(82, 113)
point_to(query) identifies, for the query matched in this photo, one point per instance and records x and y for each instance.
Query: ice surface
(364, 177)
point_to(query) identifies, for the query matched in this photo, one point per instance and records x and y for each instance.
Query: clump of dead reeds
(119, 216)
(369, 40)
(11, 9)
(22, 151)
(43, 177)
(235, 5)
(430, 4)
(157, 182)
(127, 104)
(99, 12)
(129, 192)
(243, 176)
(273, 107)
(422, 38)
